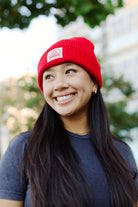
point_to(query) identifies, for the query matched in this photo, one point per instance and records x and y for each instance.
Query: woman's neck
(77, 125)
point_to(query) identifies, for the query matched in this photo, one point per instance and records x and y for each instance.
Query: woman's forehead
(62, 65)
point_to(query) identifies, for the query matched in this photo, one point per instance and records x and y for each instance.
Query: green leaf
(13, 16)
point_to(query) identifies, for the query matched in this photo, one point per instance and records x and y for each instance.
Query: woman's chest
(94, 173)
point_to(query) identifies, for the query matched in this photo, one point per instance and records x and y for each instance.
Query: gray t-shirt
(12, 188)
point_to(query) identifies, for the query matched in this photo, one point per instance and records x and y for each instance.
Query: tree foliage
(117, 93)
(19, 13)
(20, 103)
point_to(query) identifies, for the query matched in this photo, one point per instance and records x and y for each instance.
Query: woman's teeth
(63, 98)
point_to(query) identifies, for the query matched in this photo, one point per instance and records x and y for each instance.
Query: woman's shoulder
(13, 181)
(126, 152)
(18, 145)
(21, 139)
(122, 146)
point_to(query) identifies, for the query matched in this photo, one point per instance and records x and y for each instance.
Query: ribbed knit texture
(78, 50)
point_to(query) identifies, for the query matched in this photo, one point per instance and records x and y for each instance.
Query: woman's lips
(65, 98)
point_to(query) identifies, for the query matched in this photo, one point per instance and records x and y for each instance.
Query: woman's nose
(60, 83)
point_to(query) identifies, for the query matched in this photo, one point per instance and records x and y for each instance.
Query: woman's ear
(94, 86)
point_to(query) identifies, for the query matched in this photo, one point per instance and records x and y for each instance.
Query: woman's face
(67, 89)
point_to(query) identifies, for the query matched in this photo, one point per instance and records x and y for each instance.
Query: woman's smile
(63, 99)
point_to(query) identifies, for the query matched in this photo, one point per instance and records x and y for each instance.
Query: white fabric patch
(55, 54)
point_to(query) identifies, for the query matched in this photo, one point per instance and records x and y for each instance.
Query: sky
(20, 50)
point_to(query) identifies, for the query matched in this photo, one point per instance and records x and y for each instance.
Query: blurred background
(28, 28)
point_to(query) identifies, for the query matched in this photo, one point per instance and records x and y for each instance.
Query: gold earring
(95, 91)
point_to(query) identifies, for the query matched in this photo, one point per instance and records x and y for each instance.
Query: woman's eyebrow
(65, 65)
(69, 63)
(48, 69)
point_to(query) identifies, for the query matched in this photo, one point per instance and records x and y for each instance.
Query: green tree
(20, 103)
(121, 120)
(28, 88)
(19, 13)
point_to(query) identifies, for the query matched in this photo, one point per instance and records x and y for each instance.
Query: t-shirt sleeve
(12, 185)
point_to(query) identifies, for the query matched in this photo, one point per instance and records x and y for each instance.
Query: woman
(70, 158)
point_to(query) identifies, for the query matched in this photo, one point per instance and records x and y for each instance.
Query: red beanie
(78, 50)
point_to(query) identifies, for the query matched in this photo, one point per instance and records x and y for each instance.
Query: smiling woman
(69, 158)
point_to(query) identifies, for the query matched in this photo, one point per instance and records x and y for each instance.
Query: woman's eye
(48, 77)
(70, 71)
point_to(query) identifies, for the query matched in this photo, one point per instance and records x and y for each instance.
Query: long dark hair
(55, 175)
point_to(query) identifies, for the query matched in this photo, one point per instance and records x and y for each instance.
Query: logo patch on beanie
(55, 54)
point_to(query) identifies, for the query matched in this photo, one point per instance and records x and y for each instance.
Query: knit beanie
(77, 50)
